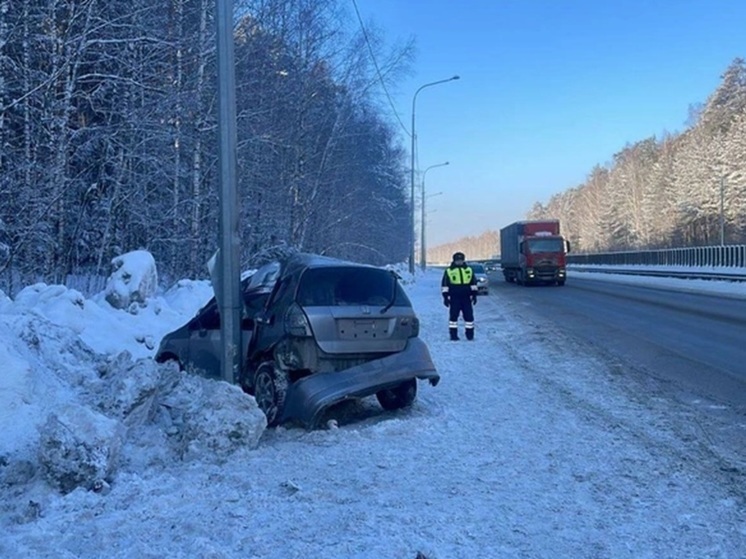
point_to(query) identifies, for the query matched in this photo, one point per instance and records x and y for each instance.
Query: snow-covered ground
(538, 451)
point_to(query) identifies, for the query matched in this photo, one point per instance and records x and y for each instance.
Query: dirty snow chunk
(129, 389)
(58, 345)
(78, 447)
(134, 279)
(15, 472)
(218, 419)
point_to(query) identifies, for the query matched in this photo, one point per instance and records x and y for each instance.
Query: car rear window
(477, 268)
(344, 286)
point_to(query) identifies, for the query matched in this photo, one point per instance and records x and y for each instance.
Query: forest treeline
(108, 127)
(681, 190)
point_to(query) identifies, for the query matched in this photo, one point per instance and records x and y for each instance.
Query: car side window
(208, 319)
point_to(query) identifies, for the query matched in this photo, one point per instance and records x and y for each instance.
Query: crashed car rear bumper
(308, 397)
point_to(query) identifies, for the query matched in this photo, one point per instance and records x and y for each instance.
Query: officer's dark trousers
(461, 305)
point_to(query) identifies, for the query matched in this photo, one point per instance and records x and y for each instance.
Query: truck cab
(534, 252)
(543, 259)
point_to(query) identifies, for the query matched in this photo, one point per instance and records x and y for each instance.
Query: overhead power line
(378, 70)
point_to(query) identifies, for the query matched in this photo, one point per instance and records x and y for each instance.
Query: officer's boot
(469, 327)
(454, 334)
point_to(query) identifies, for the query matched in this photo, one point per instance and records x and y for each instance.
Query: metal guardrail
(715, 256)
(722, 262)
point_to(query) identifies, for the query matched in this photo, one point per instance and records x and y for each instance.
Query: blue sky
(547, 90)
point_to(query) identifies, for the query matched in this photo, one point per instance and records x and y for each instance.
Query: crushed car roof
(300, 261)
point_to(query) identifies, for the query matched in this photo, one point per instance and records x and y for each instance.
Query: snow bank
(85, 399)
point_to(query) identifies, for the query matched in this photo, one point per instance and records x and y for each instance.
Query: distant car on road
(491, 265)
(483, 282)
(317, 331)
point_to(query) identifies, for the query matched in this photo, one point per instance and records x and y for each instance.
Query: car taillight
(296, 322)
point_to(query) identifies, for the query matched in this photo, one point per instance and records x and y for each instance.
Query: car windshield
(257, 288)
(346, 285)
(477, 268)
(546, 245)
(264, 278)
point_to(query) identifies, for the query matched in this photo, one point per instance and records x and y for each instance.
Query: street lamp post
(414, 135)
(423, 246)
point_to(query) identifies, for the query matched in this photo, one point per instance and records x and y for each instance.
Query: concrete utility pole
(227, 290)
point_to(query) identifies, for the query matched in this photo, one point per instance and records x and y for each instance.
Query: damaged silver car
(321, 330)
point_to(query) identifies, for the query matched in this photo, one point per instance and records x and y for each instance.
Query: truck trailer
(534, 252)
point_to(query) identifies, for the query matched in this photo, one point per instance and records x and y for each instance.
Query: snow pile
(133, 280)
(105, 329)
(82, 406)
(88, 411)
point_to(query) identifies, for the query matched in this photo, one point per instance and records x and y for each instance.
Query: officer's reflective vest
(459, 276)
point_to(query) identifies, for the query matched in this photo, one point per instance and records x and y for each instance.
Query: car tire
(170, 357)
(270, 389)
(400, 396)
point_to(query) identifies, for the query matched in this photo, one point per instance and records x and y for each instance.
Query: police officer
(459, 287)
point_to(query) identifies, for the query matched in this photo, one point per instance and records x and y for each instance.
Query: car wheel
(270, 389)
(169, 357)
(400, 396)
(246, 385)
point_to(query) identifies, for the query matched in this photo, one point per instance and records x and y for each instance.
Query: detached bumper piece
(308, 397)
